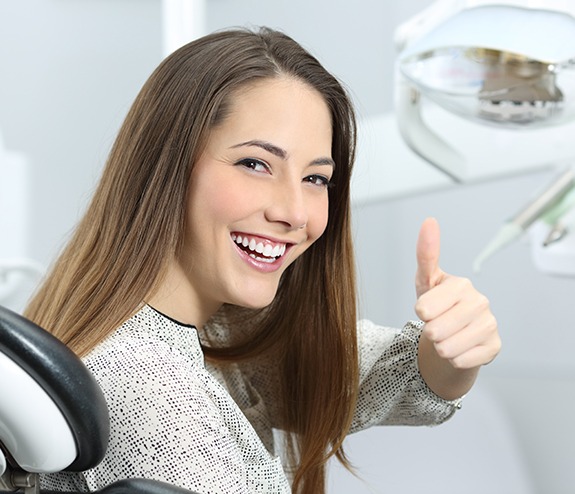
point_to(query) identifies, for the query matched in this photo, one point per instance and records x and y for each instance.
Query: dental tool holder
(555, 259)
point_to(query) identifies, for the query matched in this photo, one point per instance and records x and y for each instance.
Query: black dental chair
(53, 416)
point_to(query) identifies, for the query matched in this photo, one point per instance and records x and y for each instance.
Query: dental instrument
(540, 205)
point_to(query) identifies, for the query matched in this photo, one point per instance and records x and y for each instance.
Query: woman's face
(259, 193)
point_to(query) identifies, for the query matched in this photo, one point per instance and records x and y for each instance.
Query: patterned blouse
(181, 420)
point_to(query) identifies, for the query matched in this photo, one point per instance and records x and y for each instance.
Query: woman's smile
(259, 248)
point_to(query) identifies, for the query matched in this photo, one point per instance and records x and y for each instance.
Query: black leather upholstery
(65, 378)
(136, 486)
(142, 486)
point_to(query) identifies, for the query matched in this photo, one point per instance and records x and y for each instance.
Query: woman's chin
(256, 299)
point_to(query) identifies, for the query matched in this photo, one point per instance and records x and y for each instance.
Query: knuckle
(497, 344)
(493, 324)
(422, 310)
(458, 363)
(443, 350)
(431, 332)
(483, 302)
(490, 327)
(465, 283)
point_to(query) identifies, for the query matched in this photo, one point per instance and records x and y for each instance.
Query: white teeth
(269, 252)
(263, 259)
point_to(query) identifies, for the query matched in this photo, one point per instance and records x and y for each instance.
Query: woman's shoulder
(146, 335)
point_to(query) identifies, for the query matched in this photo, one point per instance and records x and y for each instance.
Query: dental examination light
(487, 88)
(507, 65)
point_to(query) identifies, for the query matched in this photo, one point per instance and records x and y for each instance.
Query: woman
(223, 212)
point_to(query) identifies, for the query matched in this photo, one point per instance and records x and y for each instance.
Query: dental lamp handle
(420, 138)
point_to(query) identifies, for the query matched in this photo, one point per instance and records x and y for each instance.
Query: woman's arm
(460, 333)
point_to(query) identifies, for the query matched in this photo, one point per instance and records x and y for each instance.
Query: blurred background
(71, 68)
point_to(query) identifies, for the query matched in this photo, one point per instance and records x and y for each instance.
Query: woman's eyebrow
(267, 146)
(279, 152)
(324, 161)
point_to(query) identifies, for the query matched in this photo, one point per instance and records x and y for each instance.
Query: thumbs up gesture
(460, 332)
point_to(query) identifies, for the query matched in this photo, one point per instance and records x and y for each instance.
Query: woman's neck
(176, 298)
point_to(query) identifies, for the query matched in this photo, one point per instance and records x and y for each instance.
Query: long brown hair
(136, 219)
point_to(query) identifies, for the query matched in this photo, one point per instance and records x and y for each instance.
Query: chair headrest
(52, 368)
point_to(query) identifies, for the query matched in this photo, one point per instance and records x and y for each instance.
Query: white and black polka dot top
(178, 419)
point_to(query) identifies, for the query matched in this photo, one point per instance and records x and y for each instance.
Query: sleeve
(392, 391)
(165, 422)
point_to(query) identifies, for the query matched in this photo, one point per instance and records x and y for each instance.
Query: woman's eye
(254, 164)
(319, 180)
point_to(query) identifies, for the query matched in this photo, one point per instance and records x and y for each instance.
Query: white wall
(69, 71)
(71, 68)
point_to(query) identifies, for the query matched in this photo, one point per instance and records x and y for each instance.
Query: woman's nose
(288, 206)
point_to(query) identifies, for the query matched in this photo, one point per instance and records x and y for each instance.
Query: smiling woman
(262, 177)
(210, 286)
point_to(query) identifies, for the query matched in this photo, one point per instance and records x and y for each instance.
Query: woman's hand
(460, 332)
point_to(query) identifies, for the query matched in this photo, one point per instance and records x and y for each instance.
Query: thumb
(428, 273)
